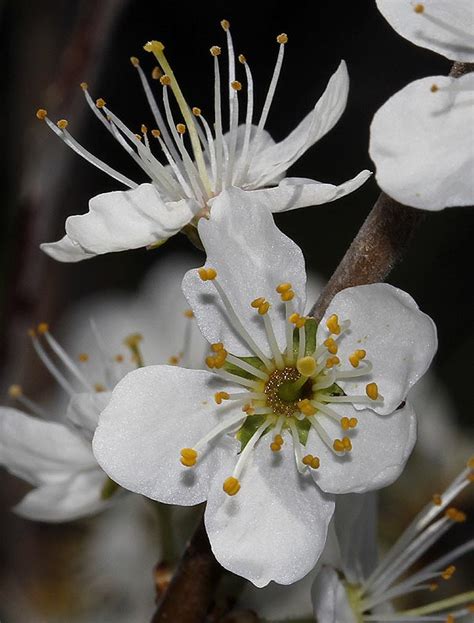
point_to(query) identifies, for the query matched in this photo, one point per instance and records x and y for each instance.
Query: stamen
(248, 123)
(132, 341)
(232, 484)
(332, 323)
(49, 365)
(372, 391)
(16, 392)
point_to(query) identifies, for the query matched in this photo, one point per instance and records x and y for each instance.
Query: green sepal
(303, 426)
(311, 328)
(234, 369)
(333, 390)
(248, 428)
(109, 488)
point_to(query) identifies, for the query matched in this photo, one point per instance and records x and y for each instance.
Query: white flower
(283, 403)
(421, 139)
(444, 27)
(363, 589)
(181, 192)
(56, 456)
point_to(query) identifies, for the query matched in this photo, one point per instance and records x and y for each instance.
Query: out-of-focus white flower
(284, 395)
(56, 456)
(422, 138)
(364, 590)
(184, 190)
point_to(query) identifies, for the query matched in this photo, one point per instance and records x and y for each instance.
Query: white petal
(330, 601)
(66, 250)
(129, 219)
(444, 27)
(76, 497)
(400, 340)
(38, 451)
(422, 144)
(275, 527)
(272, 161)
(381, 445)
(251, 256)
(154, 412)
(294, 192)
(84, 410)
(355, 521)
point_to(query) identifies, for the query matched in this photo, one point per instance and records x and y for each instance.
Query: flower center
(281, 379)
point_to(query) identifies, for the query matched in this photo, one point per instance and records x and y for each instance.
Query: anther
(100, 103)
(331, 345)
(332, 361)
(448, 573)
(455, 515)
(144, 129)
(257, 302)
(196, 111)
(42, 328)
(283, 287)
(215, 50)
(220, 396)
(181, 128)
(434, 88)
(248, 409)
(311, 461)
(231, 485)
(342, 445)
(450, 619)
(155, 133)
(188, 457)
(306, 407)
(83, 357)
(156, 73)
(419, 8)
(296, 319)
(15, 391)
(306, 366)
(242, 59)
(436, 499)
(236, 85)
(287, 296)
(173, 360)
(118, 358)
(433, 586)
(470, 463)
(98, 387)
(41, 114)
(134, 60)
(62, 124)
(84, 86)
(217, 347)
(357, 357)
(133, 340)
(188, 313)
(283, 38)
(154, 46)
(332, 323)
(207, 274)
(372, 391)
(165, 80)
(225, 24)
(347, 423)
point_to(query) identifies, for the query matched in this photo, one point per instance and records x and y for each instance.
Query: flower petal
(66, 250)
(269, 163)
(129, 219)
(330, 601)
(40, 452)
(444, 27)
(79, 496)
(381, 445)
(400, 340)
(275, 527)
(251, 257)
(295, 192)
(154, 412)
(420, 144)
(84, 410)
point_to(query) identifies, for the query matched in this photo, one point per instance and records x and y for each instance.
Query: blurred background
(48, 48)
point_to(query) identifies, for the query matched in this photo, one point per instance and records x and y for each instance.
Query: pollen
(283, 287)
(306, 407)
(165, 80)
(332, 361)
(84, 86)
(98, 387)
(41, 114)
(242, 59)
(296, 319)
(225, 24)
(215, 50)
(236, 85)
(455, 515)
(133, 340)
(188, 457)
(260, 304)
(156, 73)
(220, 396)
(434, 88)
(42, 328)
(283, 38)
(372, 391)
(196, 111)
(134, 60)
(231, 485)
(419, 8)
(287, 296)
(347, 423)
(311, 461)
(306, 366)
(15, 391)
(357, 357)
(154, 46)
(181, 128)
(448, 573)
(277, 443)
(332, 323)
(173, 360)
(155, 133)
(436, 499)
(62, 124)
(217, 360)
(331, 345)
(217, 347)
(188, 313)
(342, 445)
(207, 274)
(83, 357)
(100, 103)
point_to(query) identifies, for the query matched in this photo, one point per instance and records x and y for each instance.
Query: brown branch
(378, 247)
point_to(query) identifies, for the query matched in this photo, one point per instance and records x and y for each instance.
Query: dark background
(49, 47)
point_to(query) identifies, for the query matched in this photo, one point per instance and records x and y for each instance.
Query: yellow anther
(100, 103)
(236, 85)
(455, 515)
(138, 136)
(279, 440)
(257, 302)
(15, 391)
(338, 445)
(173, 360)
(306, 407)
(188, 457)
(220, 396)
(144, 129)
(134, 60)
(84, 86)
(181, 128)
(275, 447)
(83, 357)
(283, 38)
(332, 361)
(287, 296)
(331, 345)
(283, 287)
(133, 340)
(332, 323)
(354, 359)
(372, 391)
(42, 328)
(31, 333)
(419, 8)
(434, 88)
(346, 442)
(471, 607)
(217, 347)
(165, 80)
(207, 274)
(98, 387)
(217, 360)
(433, 586)
(306, 366)
(263, 309)
(361, 353)
(215, 50)
(248, 409)
(311, 461)
(156, 73)
(242, 59)
(353, 421)
(436, 499)
(231, 485)
(156, 133)
(470, 463)
(154, 46)
(62, 124)
(118, 358)
(296, 319)
(196, 111)
(41, 114)
(225, 24)
(450, 619)
(188, 313)
(448, 573)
